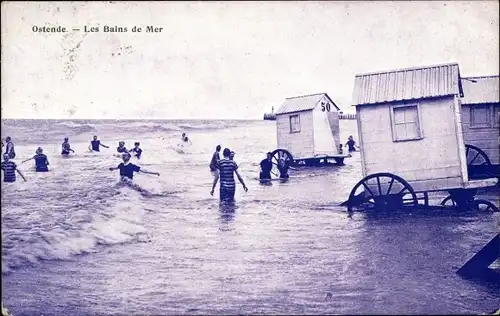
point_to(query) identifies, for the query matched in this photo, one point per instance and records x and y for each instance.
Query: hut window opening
(405, 123)
(480, 116)
(294, 124)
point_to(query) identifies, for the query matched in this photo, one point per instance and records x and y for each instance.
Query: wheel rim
(485, 206)
(475, 156)
(381, 191)
(448, 201)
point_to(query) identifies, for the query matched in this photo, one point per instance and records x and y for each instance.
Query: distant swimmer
(227, 169)
(41, 161)
(185, 140)
(96, 144)
(121, 148)
(9, 169)
(136, 151)
(127, 168)
(66, 147)
(266, 166)
(9, 148)
(351, 144)
(213, 162)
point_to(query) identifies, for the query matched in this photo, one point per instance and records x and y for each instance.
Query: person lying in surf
(136, 151)
(95, 144)
(66, 147)
(127, 168)
(41, 161)
(121, 148)
(9, 169)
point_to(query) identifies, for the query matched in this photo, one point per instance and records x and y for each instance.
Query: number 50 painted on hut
(325, 106)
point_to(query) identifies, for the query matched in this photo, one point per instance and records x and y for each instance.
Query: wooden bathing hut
(409, 124)
(308, 129)
(481, 116)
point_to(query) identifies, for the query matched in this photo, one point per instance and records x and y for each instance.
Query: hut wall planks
(434, 156)
(300, 144)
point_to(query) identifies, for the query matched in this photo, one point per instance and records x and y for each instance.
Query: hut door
(324, 144)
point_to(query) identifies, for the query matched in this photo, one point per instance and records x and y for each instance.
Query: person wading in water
(227, 168)
(41, 161)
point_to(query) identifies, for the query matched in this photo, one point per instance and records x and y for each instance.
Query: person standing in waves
(213, 162)
(227, 168)
(41, 161)
(127, 169)
(95, 144)
(66, 147)
(9, 148)
(9, 169)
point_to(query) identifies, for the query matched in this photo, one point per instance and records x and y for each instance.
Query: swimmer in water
(9, 148)
(95, 144)
(136, 151)
(9, 169)
(185, 139)
(121, 148)
(66, 147)
(127, 169)
(41, 161)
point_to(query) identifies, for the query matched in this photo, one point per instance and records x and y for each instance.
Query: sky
(225, 60)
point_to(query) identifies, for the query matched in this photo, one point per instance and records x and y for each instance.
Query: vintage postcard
(250, 157)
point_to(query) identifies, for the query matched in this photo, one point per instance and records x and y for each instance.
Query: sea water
(74, 242)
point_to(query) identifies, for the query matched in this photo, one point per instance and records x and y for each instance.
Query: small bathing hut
(481, 114)
(409, 124)
(308, 128)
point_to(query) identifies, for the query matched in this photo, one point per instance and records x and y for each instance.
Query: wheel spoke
(379, 187)
(470, 163)
(402, 190)
(368, 189)
(467, 151)
(390, 186)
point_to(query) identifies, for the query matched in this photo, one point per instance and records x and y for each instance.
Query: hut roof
(407, 84)
(303, 103)
(484, 89)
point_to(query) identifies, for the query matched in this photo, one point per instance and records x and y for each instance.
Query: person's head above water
(126, 157)
(218, 148)
(183, 134)
(137, 144)
(39, 150)
(226, 152)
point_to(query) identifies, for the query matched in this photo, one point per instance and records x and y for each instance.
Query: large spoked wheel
(476, 157)
(485, 206)
(280, 154)
(381, 191)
